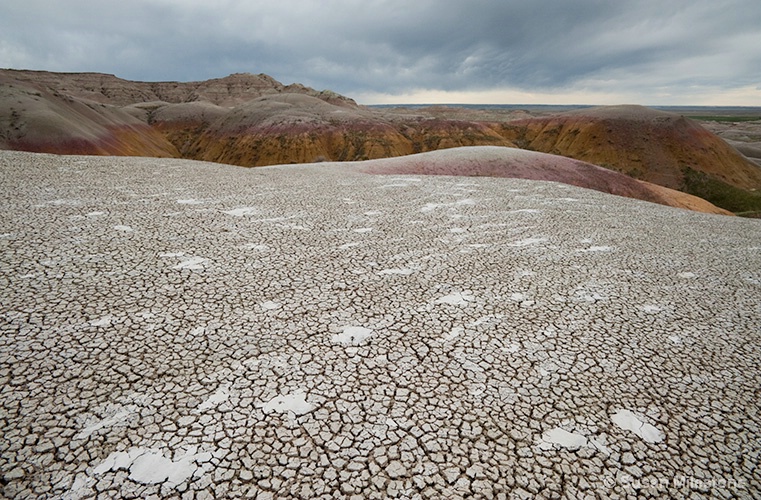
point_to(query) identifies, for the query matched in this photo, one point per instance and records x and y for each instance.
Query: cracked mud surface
(189, 330)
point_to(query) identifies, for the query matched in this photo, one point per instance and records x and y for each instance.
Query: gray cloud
(391, 46)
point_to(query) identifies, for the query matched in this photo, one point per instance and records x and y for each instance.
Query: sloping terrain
(745, 135)
(486, 161)
(655, 146)
(644, 143)
(242, 119)
(254, 120)
(40, 121)
(171, 328)
(297, 128)
(102, 88)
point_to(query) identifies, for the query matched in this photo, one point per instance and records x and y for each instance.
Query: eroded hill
(254, 120)
(242, 119)
(659, 147)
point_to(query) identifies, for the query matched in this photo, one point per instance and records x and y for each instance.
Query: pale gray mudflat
(522, 336)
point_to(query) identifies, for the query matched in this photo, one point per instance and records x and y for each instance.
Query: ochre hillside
(242, 119)
(644, 143)
(298, 128)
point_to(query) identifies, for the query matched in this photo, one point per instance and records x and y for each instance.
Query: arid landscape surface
(181, 329)
(397, 302)
(253, 120)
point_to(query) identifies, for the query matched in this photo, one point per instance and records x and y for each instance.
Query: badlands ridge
(253, 120)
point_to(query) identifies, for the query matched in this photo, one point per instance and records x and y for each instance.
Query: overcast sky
(390, 51)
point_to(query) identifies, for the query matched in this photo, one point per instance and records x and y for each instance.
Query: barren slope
(229, 91)
(297, 128)
(485, 161)
(253, 120)
(644, 143)
(41, 121)
(242, 119)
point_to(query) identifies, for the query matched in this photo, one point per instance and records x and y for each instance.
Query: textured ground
(180, 329)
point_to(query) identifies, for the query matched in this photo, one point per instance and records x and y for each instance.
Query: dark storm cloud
(396, 46)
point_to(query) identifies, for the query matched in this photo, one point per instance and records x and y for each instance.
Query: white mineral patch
(106, 422)
(675, 339)
(687, 275)
(95, 214)
(104, 321)
(470, 365)
(191, 263)
(585, 295)
(363, 230)
(371, 213)
(561, 437)
(456, 332)
(80, 488)
(190, 201)
(63, 202)
(511, 349)
(526, 211)
(429, 207)
(349, 245)
(240, 212)
(518, 297)
(483, 320)
(527, 242)
(352, 335)
(220, 396)
(171, 254)
(270, 305)
(629, 421)
(403, 271)
(650, 308)
(600, 443)
(295, 403)
(456, 299)
(297, 227)
(458, 230)
(149, 466)
(125, 229)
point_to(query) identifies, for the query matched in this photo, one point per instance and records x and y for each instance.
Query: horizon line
(402, 104)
